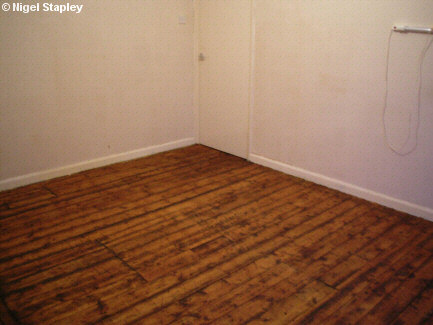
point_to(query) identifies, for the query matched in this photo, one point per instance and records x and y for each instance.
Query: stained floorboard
(197, 236)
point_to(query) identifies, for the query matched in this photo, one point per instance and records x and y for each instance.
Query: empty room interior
(216, 162)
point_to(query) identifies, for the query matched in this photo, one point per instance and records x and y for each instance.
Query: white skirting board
(397, 204)
(94, 163)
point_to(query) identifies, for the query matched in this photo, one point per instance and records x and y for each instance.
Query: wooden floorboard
(197, 236)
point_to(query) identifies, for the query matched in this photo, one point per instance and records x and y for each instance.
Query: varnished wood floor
(196, 236)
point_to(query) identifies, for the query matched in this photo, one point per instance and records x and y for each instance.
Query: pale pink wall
(119, 77)
(319, 92)
(75, 87)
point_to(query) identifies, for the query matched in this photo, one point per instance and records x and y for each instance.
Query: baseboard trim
(391, 202)
(14, 182)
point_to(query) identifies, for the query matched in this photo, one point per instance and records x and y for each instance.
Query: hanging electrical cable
(400, 151)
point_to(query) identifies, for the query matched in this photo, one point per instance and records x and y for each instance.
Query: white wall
(119, 77)
(319, 92)
(115, 78)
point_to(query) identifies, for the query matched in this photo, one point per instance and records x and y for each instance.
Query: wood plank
(373, 295)
(5, 315)
(209, 270)
(265, 237)
(396, 301)
(197, 236)
(289, 309)
(192, 236)
(127, 221)
(370, 282)
(258, 305)
(51, 266)
(225, 295)
(106, 175)
(420, 310)
(98, 221)
(89, 200)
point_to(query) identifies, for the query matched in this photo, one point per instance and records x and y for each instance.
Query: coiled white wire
(400, 151)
